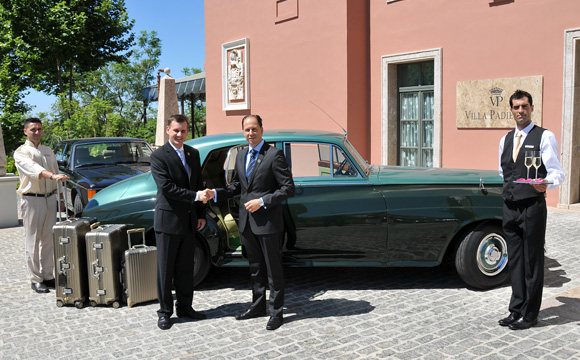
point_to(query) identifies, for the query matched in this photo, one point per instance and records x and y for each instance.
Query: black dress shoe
(250, 314)
(39, 288)
(190, 313)
(522, 324)
(275, 322)
(49, 283)
(510, 319)
(164, 322)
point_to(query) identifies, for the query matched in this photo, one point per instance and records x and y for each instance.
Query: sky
(179, 25)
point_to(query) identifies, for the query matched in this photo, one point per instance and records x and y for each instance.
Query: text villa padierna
(491, 115)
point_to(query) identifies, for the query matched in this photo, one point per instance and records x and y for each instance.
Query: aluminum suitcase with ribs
(105, 245)
(139, 271)
(70, 260)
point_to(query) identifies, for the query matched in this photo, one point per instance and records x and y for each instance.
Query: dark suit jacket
(176, 209)
(271, 180)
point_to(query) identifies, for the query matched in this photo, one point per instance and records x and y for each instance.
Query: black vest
(513, 171)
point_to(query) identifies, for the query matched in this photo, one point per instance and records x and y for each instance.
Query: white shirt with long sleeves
(182, 151)
(549, 152)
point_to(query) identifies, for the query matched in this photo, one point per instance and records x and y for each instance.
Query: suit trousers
(265, 258)
(524, 225)
(38, 218)
(175, 254)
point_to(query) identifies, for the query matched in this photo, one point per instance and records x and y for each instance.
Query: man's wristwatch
(51, 176)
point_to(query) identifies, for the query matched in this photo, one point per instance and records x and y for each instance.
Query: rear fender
(461, 234)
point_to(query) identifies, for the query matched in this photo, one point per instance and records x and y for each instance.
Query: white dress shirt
(257, 148)
(549, 153)
(187, 167)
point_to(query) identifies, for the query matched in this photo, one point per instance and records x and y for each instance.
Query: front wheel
(481, 258)
(201, 261)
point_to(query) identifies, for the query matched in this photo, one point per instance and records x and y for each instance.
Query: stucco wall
(330, 54)
(291, 63)
(478, 41)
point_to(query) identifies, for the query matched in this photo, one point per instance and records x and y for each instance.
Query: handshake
(205, 195)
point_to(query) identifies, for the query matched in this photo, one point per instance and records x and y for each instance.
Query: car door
(336, 215)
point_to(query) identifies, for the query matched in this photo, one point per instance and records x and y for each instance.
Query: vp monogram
(496, 97)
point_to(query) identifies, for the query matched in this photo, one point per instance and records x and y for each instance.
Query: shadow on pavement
(332, 308)
(567, 312)
(342, 278)
(554, 274)
(368, 278)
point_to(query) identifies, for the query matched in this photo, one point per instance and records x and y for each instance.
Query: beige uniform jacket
(30, 161)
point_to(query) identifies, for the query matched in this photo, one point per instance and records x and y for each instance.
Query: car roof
(237, 137)
(101, 140)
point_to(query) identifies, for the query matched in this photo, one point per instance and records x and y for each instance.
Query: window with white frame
(415, 115)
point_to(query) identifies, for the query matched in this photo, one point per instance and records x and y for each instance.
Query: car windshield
(108, 153)
(366, 168)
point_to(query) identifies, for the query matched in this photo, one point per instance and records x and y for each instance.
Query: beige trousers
(38, 217)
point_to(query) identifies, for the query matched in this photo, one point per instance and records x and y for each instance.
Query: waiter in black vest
(524, 209)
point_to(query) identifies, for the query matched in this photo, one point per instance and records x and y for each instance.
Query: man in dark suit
(524, 209)
(263, 178)
(177, 173)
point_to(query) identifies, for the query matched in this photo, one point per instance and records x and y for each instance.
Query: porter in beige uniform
(38, 171)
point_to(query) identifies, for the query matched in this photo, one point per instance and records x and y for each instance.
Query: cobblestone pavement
(331, 313)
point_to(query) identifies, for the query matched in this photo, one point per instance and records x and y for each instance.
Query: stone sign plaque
(485, 103)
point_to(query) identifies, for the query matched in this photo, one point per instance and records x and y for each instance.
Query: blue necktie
(251, 164)
(182, 157)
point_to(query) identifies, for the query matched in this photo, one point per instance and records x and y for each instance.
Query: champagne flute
(537, 161)
(529, 161)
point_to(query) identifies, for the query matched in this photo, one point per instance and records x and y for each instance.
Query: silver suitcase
(105, 246)
(139, 271)
(70, 259)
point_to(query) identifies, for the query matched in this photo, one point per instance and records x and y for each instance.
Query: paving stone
(350, 313)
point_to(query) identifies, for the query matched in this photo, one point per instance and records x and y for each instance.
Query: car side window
(308, 159)
(66, 154)
(59, 152)
(318, 160)
(341, 165)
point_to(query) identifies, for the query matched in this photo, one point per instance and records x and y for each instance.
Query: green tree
(12, 86)
(110, 102)
(54, 41)
(12, 107)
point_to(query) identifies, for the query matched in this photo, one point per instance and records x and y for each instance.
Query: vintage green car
(345, 212)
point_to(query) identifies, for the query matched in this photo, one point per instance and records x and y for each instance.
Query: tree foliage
(109, 101)
(54, 41)
(83, 52)
(12, 106)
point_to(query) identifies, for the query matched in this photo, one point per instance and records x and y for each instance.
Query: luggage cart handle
(65, 195)
(132, 231)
